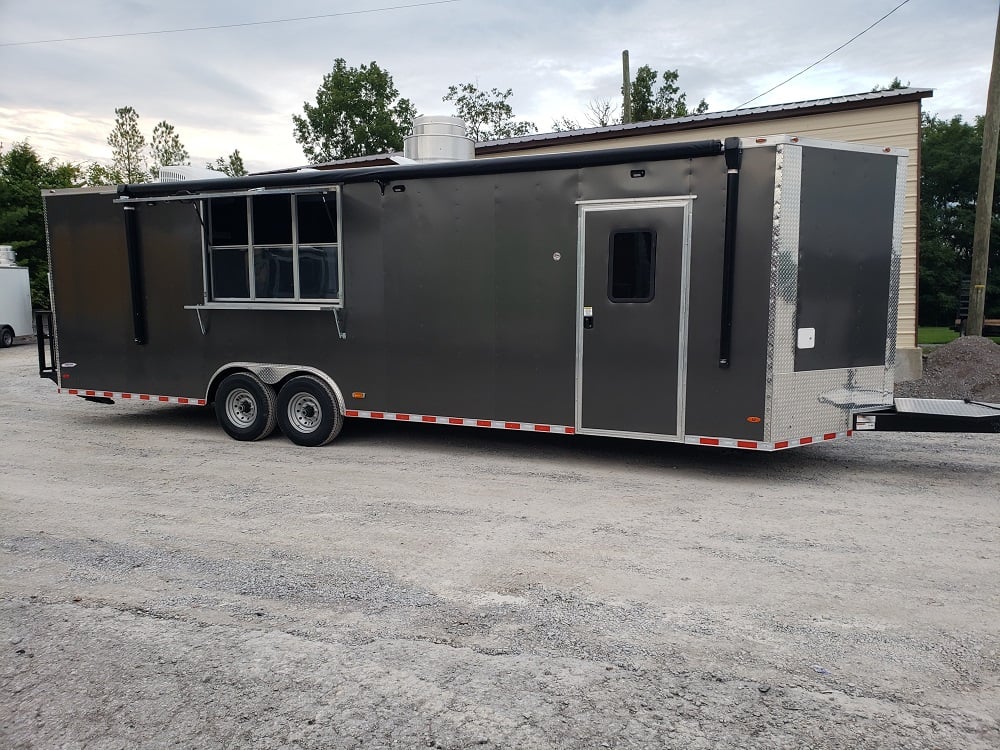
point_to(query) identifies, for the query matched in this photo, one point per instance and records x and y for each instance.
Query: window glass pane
(318, 273)
(273, 274)
(228, 221)
(230, 277)
(631, 266)
(317, 220)
(272, 220)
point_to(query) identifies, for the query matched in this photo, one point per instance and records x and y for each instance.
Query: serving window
(274, 247)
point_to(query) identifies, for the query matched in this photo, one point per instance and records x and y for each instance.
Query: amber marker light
(753, 420)
(358, 394)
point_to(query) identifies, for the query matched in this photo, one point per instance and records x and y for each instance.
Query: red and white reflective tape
(494, 424)
(563, 430)
(756, 445)
(134, 396)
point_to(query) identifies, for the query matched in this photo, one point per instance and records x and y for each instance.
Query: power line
(827, 56)
(230, 25)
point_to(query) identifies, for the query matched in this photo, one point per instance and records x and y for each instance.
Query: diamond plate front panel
(817, 401)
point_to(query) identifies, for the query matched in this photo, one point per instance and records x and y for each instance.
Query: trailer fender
(273, 374)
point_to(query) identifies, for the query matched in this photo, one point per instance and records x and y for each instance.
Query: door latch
(588, 318)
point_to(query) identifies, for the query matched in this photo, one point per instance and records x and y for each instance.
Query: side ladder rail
(43, 333)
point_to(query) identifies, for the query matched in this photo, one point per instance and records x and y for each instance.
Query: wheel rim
(304, 412)
(241, 407)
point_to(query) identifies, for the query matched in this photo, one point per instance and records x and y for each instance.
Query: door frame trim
(686, 203)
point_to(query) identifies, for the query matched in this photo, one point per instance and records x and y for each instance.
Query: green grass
(939, 335)
(935, 335)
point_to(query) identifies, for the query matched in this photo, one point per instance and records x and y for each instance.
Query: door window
(631, 265)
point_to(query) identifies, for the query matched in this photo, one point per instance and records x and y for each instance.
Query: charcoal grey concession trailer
(740, 294)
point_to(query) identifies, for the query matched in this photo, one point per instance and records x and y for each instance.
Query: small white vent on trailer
(186, 172)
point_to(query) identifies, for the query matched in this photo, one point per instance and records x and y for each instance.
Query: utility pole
(626, 89)
(984, 198)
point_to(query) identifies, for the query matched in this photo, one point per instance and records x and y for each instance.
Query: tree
(358, 111)
(232, 165)
(652, 103)
(23, 176)
(950, 154)
(128, 162)
(564, 123)
(129, 153)
(894, 84)
(166, 149)
(98, 174)
(600, 114)
(487, 114)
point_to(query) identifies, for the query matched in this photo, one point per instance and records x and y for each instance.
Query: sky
(238, 87)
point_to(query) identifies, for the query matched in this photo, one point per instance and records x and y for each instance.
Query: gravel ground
(422, 586)
(968, 367)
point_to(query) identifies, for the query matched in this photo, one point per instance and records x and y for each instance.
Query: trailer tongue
(931, 415)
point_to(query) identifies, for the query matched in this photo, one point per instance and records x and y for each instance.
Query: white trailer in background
(15, 299)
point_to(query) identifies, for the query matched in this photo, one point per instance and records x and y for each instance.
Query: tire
(308, 411)
(245, 407)
(6, 337)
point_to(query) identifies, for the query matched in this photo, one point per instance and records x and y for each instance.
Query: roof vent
(186, 172)
(438, 138)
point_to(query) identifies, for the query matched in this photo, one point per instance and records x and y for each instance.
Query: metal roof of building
(708, 119)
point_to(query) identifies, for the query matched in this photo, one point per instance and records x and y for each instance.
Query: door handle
(588, 318)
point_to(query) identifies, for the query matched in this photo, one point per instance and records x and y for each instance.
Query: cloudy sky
(238, 87)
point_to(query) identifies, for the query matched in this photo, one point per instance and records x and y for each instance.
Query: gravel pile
(968, 367)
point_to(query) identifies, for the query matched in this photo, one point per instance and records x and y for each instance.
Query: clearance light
(753, 420)
(358, 394)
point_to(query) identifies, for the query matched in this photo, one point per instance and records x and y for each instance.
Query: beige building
(885, 118)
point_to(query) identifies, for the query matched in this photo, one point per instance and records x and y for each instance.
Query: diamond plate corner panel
(820, 401)
(779, 163)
